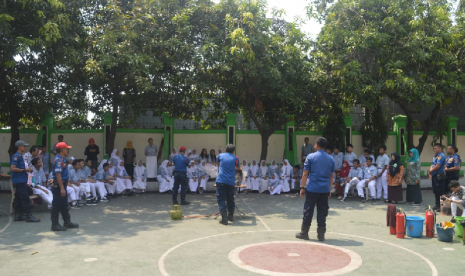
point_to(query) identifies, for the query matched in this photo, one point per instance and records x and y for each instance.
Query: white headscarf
(246, 166)
(100, 167)
(194, 155)
(114, 156)
(193, 168)
(287, 169)
(139, 170)
(202, 166)
(111, 170)
(175, 152)
(121, 168)
(164, 165)
(275, 166)
(170, 170)
(263, 168)
(187, 153)
(254, 168)
(276, 178)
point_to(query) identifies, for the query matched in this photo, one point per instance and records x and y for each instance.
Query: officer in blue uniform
(452, 165)
(437, 175)
(60, 197)
(21, 203)
(180, 176)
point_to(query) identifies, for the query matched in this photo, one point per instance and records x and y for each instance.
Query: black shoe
(303, 234)
(321, 233)
(363, 200)
(19, 217)
(185, 202)
(69, 224)
(231, 215)
(437, 208)
(114, 196)
(344, 199)
(452, 220)
(58, 227)
(224, 218)
(373, 200)
(91, 202)
(31, 218)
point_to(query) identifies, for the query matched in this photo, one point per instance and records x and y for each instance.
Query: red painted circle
(294, 258)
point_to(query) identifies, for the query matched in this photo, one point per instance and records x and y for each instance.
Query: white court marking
(355, 260)
(10, 220)
(293, 254)
(448, 249)
(161, 261)
(253, 212)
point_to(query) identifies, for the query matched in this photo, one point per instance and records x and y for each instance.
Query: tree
(260, 66)
(403, 49)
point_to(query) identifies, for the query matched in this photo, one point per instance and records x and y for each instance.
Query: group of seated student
(273, 179)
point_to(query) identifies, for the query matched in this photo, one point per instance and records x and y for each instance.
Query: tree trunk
(410, 133)
(114, 119)
(264, 152)
(427, 126)
(14, 124)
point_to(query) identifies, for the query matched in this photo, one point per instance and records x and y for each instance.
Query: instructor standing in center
(225, 184)
(318, 176)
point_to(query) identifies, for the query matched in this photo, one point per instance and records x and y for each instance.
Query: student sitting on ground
(369, 179)
(275, 185)
(355, 175)
(140, 176)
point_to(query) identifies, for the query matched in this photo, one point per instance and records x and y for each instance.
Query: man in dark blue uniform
(21, 203)
(437, 175)
(180, 170)
(318, 175)
(225, 184)
(60, 197)
(452, 166)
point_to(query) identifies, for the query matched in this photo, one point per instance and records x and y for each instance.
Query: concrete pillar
(231, 129)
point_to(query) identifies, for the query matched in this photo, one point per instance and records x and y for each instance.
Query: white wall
(358, 145)
(249, 146)
(139, 142)
(29, 138)
(461, 145)
(199, 141)
(79, 142)
(427, 153)
(391, 144)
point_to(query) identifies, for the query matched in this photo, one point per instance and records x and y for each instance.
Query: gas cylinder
(176, 212)
(430, 221)
(400, 224)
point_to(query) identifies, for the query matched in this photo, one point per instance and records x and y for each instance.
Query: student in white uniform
(381, 182)
(203, 177)
(75, 179)
(253, 176)
(355, 176)
(103, 176)
(125, 178)
(165, 181)
(350, 156)
(273, 168)
(120, 187)
(275, 185)
(296, 176)
(140, 176)
(263, 176)
(193, 176)
(114, 158)
(174, 152)
(363, 158)
(40, 187)
(286, 176)
(369, 178)
(194, 157)
(99, 186)
(245, 180)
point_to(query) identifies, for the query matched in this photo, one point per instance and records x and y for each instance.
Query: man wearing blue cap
(21, 203)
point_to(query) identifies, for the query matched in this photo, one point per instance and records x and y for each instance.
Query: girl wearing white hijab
(164, 179)
(245, 171)
(114, 158)
(254, 176)
(100, 167)
(193, 175)
(112, 175)
(194, 157)
(140, 176)
(263, 176)
(286, 176)
(203, 176)
(124, 176)
(273, 168)
(275, 185)
(174, 152)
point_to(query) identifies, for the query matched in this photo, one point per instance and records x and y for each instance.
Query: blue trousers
(59, 203)
(180, 179)
(320, 200)
(22, 202)
(439, 188)
(225, 197)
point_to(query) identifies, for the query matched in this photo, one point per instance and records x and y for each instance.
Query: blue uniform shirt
(60, 166)
(227, 172)
(350, 157)
(440, 159)
(338, 160)
(356, 173)
(320, 166)
(39, 176)
(180, 163)
(453, 161)
(21, 177)
(101, 175)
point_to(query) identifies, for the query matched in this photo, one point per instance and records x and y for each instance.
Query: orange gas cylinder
(400, 224)
(430, 219)
(392, 230)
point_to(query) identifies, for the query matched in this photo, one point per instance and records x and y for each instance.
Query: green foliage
(374, 130)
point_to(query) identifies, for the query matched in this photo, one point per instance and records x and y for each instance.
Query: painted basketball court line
(161, 261)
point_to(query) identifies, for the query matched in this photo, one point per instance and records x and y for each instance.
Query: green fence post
(452, 130)
(400, 128)
(348, 131)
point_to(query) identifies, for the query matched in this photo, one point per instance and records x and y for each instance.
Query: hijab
(170, 169)
(91, 142)
(111, 169)
(254, 168)
(175, 152)
(287, 169)
(164, 165)
(344, 172)
(194, 155)
(415, 157)
(394, 165)
(129, 146)
(245, 168)
(139, 170)
(121, 169)
(192, 168)
(113, 154)
(202, 166)
(100, 167)
(276, 178)
(263, 168)
(275, 166)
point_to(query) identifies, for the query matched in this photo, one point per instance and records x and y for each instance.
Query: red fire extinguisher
(400, 223)
(430, 221)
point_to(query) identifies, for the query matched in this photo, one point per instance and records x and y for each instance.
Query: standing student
(350, 156)
(381, 182)
(140, 176)
(452, 168)
(151, 154)
(263, 177)
(60, 180)
(21, 203)
(307, 148)
(193, 176)
(395, 179)
(253, 176)
(369, 179)
(129, 157)
(318, 177)
(412, 178)
(180, 171)
(92, 151)
(437, 175)
(225, 184)
(355, 176)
